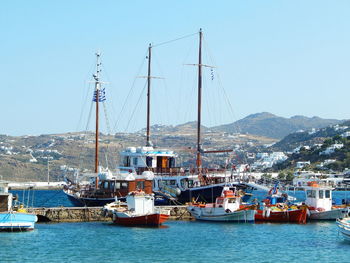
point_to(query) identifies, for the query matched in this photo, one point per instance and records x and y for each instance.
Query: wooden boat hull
(145, 220)
(289, 216)
(17, 221)
(329, 215)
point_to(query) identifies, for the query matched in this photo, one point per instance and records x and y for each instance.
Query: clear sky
(285, 57)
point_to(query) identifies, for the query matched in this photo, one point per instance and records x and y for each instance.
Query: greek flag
(101, 95)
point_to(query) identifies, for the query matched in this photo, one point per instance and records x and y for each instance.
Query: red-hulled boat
(276, 209)
(290, 215)
(138, 210)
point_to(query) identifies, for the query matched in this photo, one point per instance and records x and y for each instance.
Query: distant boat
(319, 202)
(276, 208)
(227, 208)
(138, 210)
(344, 227)
(13, 218)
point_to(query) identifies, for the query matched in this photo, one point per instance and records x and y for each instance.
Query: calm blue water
(178, 241)
(54, 198)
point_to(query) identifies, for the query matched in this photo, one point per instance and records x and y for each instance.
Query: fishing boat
(276, 208)
(344, 227)
(102, 186)
(227, 208)
(319, 202)
(138, 210)
(13, 218)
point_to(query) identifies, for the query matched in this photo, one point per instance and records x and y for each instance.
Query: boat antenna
(199, 146)
(148, 142)
(97, 99)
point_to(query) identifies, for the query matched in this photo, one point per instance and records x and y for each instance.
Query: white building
(331, 149)
(302, 164)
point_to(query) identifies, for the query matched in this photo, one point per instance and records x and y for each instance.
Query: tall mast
(97, 94)
(148, 143)
(199, 147)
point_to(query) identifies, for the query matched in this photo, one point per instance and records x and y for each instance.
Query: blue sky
(285, 57)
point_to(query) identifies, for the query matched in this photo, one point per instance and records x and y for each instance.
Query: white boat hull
(329, 215)
(344, 228)
(236, 216)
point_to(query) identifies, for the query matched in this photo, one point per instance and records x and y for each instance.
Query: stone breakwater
(87, 214)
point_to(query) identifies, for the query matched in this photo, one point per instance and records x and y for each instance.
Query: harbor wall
(87, 214)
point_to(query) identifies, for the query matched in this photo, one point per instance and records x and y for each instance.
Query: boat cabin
(147, 158)
(140, 203)
(318, 196)
(117, 184)
(228, 201)
(5, 198)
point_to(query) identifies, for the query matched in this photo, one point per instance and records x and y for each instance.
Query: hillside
(328, 148)
(272, 126)
(24, 158)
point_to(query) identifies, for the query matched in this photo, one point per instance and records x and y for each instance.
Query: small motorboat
(319, 202)
(227, 208)
(344, 227)
(276, 208)
(13, 218)
(138, 210)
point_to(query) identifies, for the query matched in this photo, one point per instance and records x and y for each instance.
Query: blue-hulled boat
(13, 218)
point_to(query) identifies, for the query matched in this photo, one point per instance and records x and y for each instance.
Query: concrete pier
(87, 214)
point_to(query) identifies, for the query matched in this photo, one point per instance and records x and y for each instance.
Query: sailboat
(102, 186)
(178, 184)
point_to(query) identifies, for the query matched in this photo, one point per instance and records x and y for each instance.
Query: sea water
(175, 241)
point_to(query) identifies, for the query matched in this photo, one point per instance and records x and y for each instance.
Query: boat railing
(180, 171)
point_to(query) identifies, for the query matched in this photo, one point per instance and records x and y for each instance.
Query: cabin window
(117, 185)
(311, 193)
(124, 186)
(135, 161)
(126, 161)
(320, 194)
(149, 161)
(232, 200)
(190, 183)
(328, 193)
(184, 183)
(105, 185)
(220, 201)
(140, 185)
(171, 162)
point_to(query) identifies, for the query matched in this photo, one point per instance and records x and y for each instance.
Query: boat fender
(308, 212)
(268, 211)
(228, 210)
